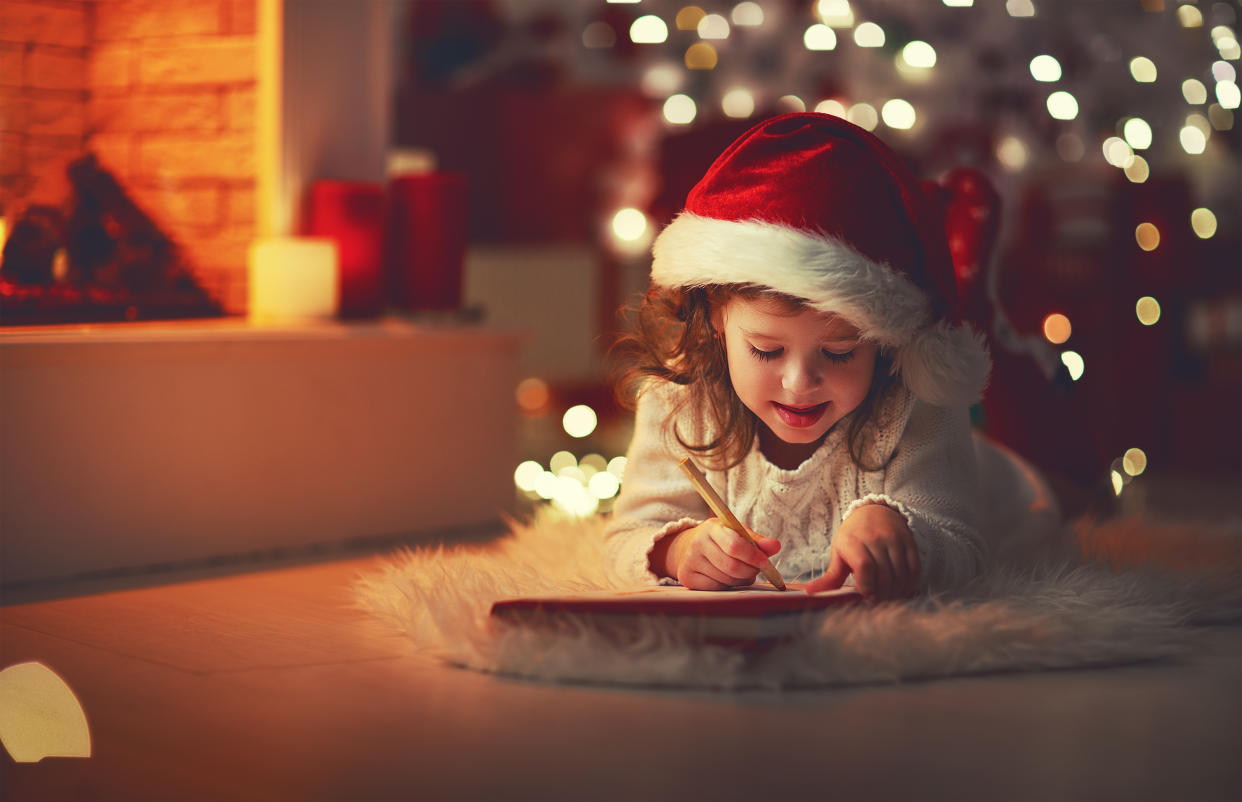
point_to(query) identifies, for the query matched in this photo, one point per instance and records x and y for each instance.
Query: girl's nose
(801, 376)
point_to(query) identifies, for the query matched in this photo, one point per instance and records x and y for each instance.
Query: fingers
(734, 555)
(833, 578)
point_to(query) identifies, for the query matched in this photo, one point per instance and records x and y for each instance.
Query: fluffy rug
(1113, 593)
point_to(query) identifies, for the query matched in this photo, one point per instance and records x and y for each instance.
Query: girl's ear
(717, 317)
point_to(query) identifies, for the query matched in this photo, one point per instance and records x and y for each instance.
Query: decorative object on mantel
(293, 279)
(352, 213)
(1106, 594)
(107, 261)
(427, 240)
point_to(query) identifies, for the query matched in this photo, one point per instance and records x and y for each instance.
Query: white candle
(293, 278)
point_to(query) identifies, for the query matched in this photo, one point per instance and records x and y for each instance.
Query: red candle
(427, 240)
(352, 214)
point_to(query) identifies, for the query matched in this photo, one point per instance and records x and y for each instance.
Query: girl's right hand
(711, 556)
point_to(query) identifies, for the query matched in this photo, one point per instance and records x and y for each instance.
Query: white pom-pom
(945, 366)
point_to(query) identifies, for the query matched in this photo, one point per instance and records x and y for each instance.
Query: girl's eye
(838, 359)
(766, 355)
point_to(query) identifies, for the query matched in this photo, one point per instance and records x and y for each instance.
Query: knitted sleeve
(656, 498)
(933, 481)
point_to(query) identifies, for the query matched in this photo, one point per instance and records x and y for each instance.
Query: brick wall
(163, 92)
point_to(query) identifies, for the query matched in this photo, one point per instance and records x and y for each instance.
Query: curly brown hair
(671, 338)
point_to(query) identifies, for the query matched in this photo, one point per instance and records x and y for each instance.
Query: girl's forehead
(771, 313)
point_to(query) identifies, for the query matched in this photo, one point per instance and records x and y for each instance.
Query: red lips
(800, 417)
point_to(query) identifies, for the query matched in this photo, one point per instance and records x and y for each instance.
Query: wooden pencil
(727, 517)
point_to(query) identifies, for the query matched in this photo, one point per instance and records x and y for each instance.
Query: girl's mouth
(800, 417)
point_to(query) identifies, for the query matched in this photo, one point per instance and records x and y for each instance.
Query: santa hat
(817, 208)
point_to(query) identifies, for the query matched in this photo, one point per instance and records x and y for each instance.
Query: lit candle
(293, 278)
(352, 214)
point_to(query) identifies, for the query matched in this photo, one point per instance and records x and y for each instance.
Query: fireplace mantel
(135, 444)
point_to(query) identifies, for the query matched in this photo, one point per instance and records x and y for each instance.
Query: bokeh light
(1228, 94)
(791, 103)
(688, 18)
(869, 35)
(1147, 236)
(1134, 462)
(648, 30)
(1194, 91)
(1117, 152)
(1143, 70)
(738, 103)
(629, 224)
(1020, 8)
(561, 459)
(1193, 140)
(579, 420)
(1137, 133)
(1045, 68)
(1062, 106)
(713, 26)
(863, 115)
(836, 13)
(680, 110)
(899, 114)
(831, 106)
(701, 56)
(532, 395)
(1147, 310)
(1137, 170)
(1189, 16)
(1074, 362)
(819, 37)
(527, 475)
(747, 15)
(1011, 153)
(919, 54)
(1057, 328)
(1203, 222)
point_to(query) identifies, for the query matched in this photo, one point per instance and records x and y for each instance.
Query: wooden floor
(267, 685)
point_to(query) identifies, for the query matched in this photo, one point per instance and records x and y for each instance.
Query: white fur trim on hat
(940, 364)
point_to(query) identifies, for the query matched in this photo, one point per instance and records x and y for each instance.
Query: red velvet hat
(815, 207)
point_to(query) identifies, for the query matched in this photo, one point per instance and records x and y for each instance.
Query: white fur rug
(1121, 604)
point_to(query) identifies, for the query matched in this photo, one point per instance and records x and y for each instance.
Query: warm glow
(1045, 68)
(1117, 152)
(869, 35)
(747, 15)
(700, 56)
(1193, 140)
(899, 114)
(834, 107)
(1194, 91)
(1134, 462)
(1062, 106)
(598, 35)
(819, 37)
(959, 3)
(629, 224)
(662, 80)
(1203, 222)
(863, 115)
(1224, 71)
(713, 26)
(1229, 47)
(1137, 132)
(1057, 328)
(527, 475)
(1143, 69)
(616, 466)
(1147, 310)
(1137, 170)
(679, 110)
(4, 232)
(1189, 16)
(1228, 94)
(835, 13)
(604, 485)
(561, 460)
(688, 18)
(648, 30)
(579, 420)
(1020, 8)
(919, 54)
(1011, 153)
(532, 395)
(738, 103)
(293, 279)
(1073, 361)
(791, 103)
(1147, 236)
(1118, 482)
(40, 716)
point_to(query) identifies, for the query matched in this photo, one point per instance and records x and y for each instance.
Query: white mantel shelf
(126, 445)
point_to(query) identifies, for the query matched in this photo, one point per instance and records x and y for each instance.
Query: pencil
(730, 520)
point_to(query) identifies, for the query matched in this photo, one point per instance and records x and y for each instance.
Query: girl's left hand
(875, 545)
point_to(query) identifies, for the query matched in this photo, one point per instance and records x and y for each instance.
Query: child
(801, 342)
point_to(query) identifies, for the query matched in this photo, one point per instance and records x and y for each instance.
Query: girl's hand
(875, 545)
(711, 556)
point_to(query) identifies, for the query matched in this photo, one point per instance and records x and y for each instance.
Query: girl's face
(799, 371)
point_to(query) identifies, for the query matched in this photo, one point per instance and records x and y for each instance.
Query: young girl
(801, 343)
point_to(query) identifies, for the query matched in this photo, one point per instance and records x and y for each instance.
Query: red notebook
(747, 615)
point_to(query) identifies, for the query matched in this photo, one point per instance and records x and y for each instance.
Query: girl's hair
(671, 337)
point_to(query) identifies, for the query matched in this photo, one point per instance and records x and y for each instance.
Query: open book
(743, 616)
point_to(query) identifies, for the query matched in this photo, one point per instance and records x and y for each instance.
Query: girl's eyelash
(832, 356)
(765, 355)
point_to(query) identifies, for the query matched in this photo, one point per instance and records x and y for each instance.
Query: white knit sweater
(933, 479)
